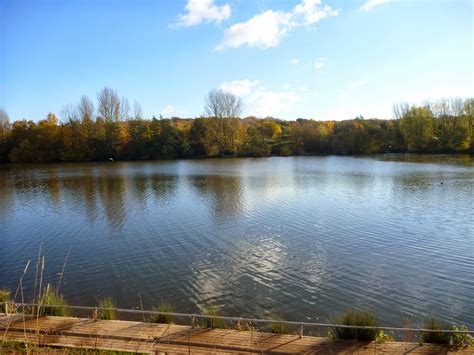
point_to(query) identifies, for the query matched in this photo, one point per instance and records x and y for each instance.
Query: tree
(4, 124)
(4, 134)
(124, 109)
(417, 129)
(224, 108)
(223, 104)
(86, 109)
(109, 105)
(137, 111)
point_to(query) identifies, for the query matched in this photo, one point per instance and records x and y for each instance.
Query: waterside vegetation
(109, 130)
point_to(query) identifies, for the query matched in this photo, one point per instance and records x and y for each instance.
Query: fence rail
(193, 316)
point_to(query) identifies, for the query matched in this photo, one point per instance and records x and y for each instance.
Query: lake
(303, 237)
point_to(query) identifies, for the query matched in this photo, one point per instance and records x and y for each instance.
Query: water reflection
(223, 195)
(305, 237)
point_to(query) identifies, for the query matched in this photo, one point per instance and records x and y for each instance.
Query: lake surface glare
(303, 237)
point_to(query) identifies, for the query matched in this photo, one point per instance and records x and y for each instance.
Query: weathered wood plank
(151, 337)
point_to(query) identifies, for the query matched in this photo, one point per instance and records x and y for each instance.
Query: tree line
(111, 129)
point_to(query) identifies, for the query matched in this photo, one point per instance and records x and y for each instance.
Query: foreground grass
(213, 323)
(278, 328)
(358, 318)
(16, 347)
(106, 311)
(4, 297)
(163, 318)
(53, 297)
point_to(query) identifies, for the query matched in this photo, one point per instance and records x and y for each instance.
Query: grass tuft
(433, 337)
(105, 312)
(163, 318)
(4, 297)
(359, 318)
(212, 322)
(53, 297)
(278, 328)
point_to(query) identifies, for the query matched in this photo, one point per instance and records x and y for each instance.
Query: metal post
(94, 313)
(6, 308)
(301, 330)
(193, 321)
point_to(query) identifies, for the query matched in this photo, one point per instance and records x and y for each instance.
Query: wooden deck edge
(55, 334)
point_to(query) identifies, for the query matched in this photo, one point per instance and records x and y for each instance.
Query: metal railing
(193, 317)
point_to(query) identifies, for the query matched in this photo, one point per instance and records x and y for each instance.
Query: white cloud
(356, 84)
(261, 101)
(309, 12)
(198, 11)
(169, 110)
(265, 30)
(295, 61)
(239, 87)
(367, 6)
(320, 63)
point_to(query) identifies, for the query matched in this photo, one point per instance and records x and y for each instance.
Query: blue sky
(325, 59)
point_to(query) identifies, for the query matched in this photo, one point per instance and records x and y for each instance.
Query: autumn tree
(416, 126)
(4, 132)
(224, 108)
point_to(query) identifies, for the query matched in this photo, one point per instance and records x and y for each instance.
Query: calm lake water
(304, 237)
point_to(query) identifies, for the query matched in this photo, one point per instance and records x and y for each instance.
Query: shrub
(52, 297)
(212, 322)
(358, 318)
(163, 318)
(382, 337)
(461, 339)
(106, 309)
(435, 337)
(4, 298)
(278, 328)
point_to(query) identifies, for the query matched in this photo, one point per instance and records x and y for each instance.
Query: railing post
(6, 308)
(301, 330)
(193, 321)
(94, 313)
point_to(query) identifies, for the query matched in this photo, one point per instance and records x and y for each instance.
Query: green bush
(5, 298)
(461, 339)
(163, 318)
(278, 328)
(52, 297)
(435, 337)
(357, 318)
(106, 309)
(212, 322)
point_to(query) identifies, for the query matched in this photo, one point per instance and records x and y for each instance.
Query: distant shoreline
(203, 158)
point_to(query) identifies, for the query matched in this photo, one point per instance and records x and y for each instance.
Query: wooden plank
(151, 337)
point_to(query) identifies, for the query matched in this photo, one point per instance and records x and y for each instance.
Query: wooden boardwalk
(177, 339)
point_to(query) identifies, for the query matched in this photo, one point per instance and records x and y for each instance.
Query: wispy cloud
(198, 11)
(261, 101)
(320, 63)
(295, 61)
(265, 30)
(370, 4)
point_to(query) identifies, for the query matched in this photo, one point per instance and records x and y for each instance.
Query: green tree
(417, 129)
